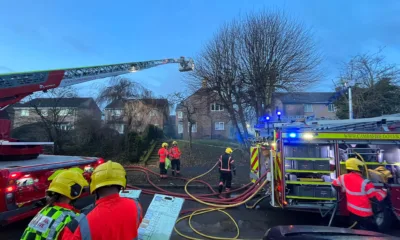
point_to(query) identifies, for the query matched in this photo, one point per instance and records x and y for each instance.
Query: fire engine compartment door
(254, 164)
(160, 218)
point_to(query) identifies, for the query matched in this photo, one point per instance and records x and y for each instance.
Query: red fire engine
(305, 158)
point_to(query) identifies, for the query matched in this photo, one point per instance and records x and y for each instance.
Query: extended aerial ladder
(16, 86)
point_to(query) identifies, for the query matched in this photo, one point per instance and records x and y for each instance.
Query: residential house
(209, 118)
(137, 114)
(304, 105)
(66, 111)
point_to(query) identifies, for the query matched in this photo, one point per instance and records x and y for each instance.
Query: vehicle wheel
(384, 219)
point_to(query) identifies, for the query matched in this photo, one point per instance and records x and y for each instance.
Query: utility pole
(346, 84)
(350, 104)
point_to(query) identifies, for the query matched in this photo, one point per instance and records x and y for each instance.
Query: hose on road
(250, 190)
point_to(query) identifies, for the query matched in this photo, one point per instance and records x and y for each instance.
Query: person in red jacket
(113, 217)
(359, 193)
(175, 155)
(163, 154)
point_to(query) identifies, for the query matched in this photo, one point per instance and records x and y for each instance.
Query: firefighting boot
(220, 188)
(173, 173)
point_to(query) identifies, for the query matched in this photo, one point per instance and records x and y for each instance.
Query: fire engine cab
(306, 158)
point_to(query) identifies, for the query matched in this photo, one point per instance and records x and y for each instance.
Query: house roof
(57, 102)
(158, 103)
(200, 92)
(304, 97)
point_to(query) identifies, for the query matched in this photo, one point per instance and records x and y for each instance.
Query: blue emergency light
(292, 135)
(278, 113)
(267, 118)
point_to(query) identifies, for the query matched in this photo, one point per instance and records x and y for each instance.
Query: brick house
(301, 105)
(66, 110)
(138, 113)
(210, 119)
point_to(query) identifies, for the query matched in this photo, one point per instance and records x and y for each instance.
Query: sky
(48, 34)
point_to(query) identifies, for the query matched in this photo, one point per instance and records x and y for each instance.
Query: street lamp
(267, 118)
(279, 113)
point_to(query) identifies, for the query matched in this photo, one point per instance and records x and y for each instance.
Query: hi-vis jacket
(49, 222)
(163, 154)
(226, 163)
(174, 153)
(113, 217)
(359, 191)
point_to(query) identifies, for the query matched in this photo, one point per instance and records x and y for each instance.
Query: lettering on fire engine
(371, 136)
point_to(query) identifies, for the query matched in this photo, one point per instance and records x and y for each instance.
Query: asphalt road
(252, 223)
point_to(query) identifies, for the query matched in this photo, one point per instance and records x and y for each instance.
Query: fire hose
(214, 204)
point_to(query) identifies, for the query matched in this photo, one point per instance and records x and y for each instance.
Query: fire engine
(24, 170)
(306, 157)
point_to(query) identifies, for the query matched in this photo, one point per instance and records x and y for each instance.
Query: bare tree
(374, 84)
(250, 59)
(126, 94)
(54, 116)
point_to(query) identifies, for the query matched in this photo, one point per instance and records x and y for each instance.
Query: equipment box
(307, 151)
(324, 192)
(304, 191)
(303, 165)
(322, 165)
(288, 164)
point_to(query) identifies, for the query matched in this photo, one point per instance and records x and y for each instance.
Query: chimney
(204, 83)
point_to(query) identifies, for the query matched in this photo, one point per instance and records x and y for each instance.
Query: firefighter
(50, 221)
(175, 154)
(226, 167)
(163, 154)
(113, 217)
(359, 194)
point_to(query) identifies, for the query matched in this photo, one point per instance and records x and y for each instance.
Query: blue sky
(40, 35)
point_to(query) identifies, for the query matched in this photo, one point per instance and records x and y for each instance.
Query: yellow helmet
(107, 174)
(164, 145)
(174, 143)
(228, 150)
(68, 183)
(354, 164)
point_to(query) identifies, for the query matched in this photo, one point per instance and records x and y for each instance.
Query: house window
(116, 113)
(219, 126)
(25, 112)
(44, 112)
(308, 108)
(216, 107)
(119, 128)
(65, 126)
(331, 108)
(63, 112)
(194, 127)
(180, 128)
(180, 115)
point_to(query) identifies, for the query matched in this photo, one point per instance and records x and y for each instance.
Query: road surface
(252, 223)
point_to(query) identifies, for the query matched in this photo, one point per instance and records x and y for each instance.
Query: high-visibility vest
(48, 223)
(175, 153)
(163, 153)
(359, 191)
(225, 162)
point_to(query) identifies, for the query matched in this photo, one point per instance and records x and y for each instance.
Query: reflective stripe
(344, 189)
(367, 210)
(84, 227)
(139, 212)
(53, 230)
(364, 185)
(229, 164)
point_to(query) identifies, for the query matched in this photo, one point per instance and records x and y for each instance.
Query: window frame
(194, 127)
(305, 108)
(26, 111)
(219, 124)
(64, 110)
(180, 127)
(331, 107)
(180, 114)
(215, 107)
